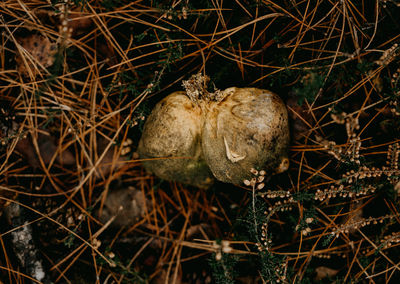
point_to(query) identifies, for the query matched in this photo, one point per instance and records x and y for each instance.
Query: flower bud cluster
(331, 148)
(352, 152)
(266, 241)
(391, 240)
(257, 180)
(366, 172)
(393, 156)
(388, 55)
(329, 255)
(64, 28)
(346, 228)
(223, 247)
(339, 191)
(275, 194)
(285, 205)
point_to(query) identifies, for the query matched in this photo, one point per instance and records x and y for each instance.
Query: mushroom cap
(247, 129)
(171, 140)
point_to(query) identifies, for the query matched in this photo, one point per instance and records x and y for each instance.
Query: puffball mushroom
(195, 136)
(247, 129)
(171, 140)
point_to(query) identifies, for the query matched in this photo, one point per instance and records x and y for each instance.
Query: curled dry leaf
(323, 272)
(37, 52)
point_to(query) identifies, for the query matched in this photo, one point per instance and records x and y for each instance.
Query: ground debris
(36, 53)
(23, 244)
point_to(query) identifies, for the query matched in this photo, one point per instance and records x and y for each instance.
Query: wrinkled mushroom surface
(247, 129)
(171, 141)
(195, 136)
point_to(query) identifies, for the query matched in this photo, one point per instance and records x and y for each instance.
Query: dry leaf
(127, 204)
(79, 22)
(47, 148)
(37, 52)
(323, 272)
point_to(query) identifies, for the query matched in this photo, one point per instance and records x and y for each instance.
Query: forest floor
(78, 79)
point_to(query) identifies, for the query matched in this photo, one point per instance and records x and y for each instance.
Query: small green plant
(223, 267)
(310, 85)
